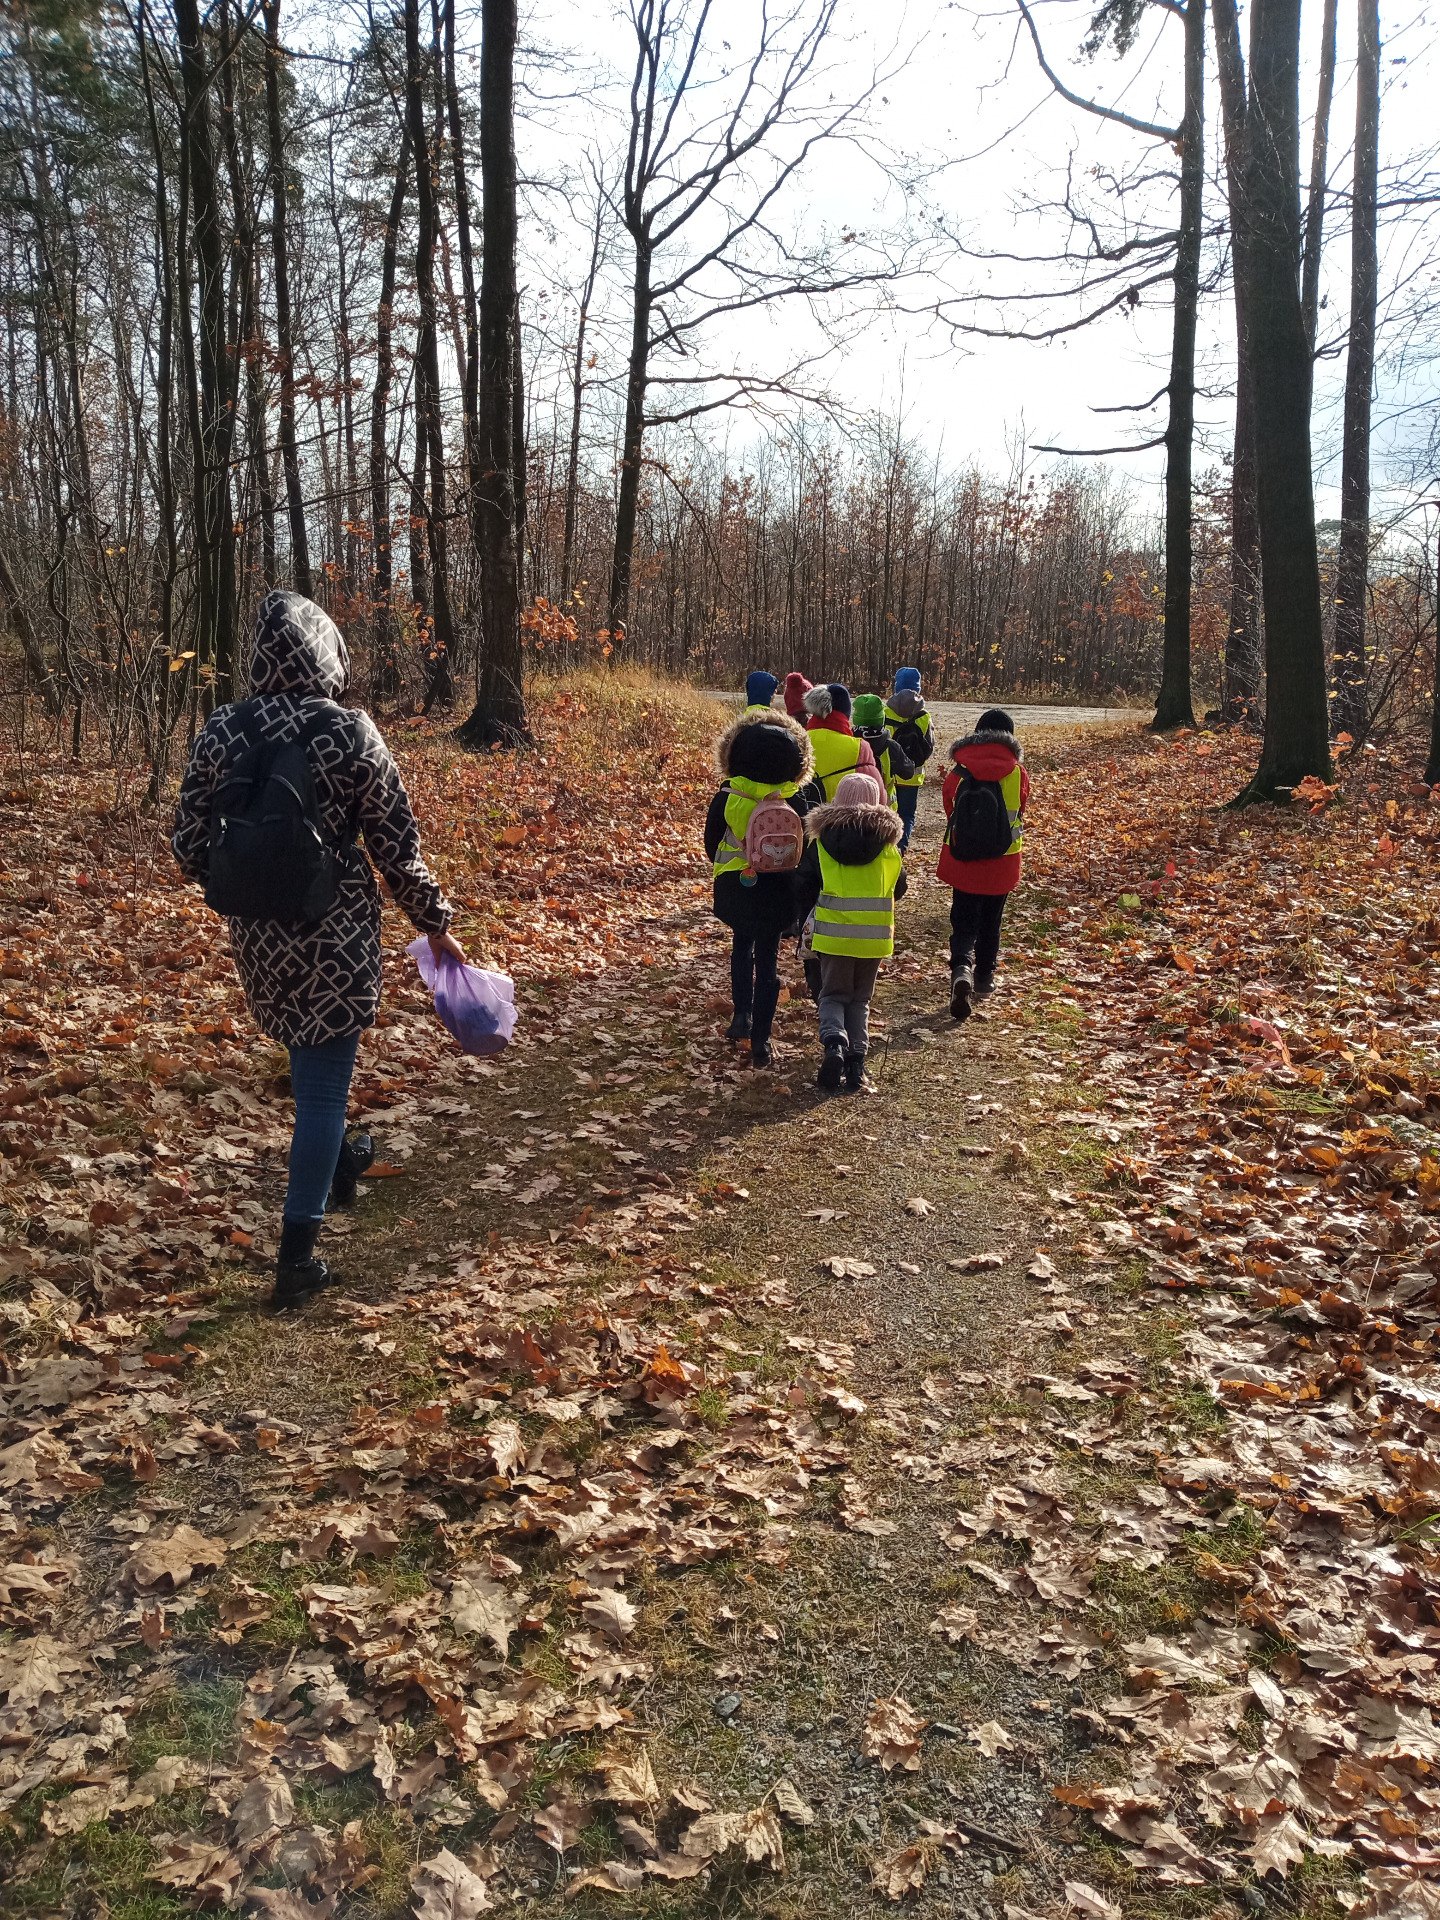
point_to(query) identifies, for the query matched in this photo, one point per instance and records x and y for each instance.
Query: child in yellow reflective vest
(850, 878)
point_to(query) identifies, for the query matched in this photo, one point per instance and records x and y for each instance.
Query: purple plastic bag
(477, 1007)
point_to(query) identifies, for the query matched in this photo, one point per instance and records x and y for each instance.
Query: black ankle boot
(298, 1273)
(832, 1067)
(854, 1072)
(357, 1156)
(739, 1027)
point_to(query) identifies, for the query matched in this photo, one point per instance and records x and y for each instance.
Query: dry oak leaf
(1042, 1267)
(482, 1606)
(905, 1872)
(892, 1734)
(919, 1207)
(78, 1809)
(990, 1737)
(1279, 1844)
(957, 1623)
(614, 1877)
(1088, 1903)
(630, 1782)
(279, 1903)
(212, 1873)
(756, 1833)
(976, 1262)
(265, 1807)
(31, 1670)
(792, 1804)
(607, 1609)
(163, 1565)
(559, 1824)
(446, 1889)
(841, 1267)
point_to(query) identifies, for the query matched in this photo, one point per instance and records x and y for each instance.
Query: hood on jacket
(760, 688)
(868, 710)
(796, 688)
(297, 648)
(854, 835)
(986, 739)
(907, 680)
(908, 703)
(765, 746)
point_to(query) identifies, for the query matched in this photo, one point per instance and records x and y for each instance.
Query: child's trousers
(975, 932)
(755, 980)
(846, 985)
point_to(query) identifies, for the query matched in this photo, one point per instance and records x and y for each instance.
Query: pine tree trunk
(284, 331)
(1173, 706)
(498, 717)
(1352, 569)
(1297, 732)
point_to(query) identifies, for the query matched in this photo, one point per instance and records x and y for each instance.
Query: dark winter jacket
(305, 984)
(988, 756)
(900, 765)
(913, 740)
(765, 747)
(853, 836)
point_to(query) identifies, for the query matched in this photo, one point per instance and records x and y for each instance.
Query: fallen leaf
(892, 1734)
(788, 1799)
(164, 1565)
(446, 1889)
(977, 1262)
(1084, 1900)
(608, 1610)
(990, 1738)
(919, 1207)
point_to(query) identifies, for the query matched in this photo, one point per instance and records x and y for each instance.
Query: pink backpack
(774, 837)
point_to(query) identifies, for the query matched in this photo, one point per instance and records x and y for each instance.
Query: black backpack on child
(269, 857)
(979, 825)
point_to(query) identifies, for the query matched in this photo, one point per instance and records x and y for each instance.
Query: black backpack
(269, 857)
(979, 825)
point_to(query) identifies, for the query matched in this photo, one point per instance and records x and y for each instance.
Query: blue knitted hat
(760, 688)
(839, 699)
(907, 680)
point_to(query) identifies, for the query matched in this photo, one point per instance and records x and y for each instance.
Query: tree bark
(627, 502)
(440, 680)
(1242, 689)
(1315, 200)
(211, 418)
(284, 330)
(1432, 763)
(470, 359)
(1173, 706)
(1353, 564)
(577, 397)
(21, 626)
(385, 671)
(498, 717)
(1297, 732)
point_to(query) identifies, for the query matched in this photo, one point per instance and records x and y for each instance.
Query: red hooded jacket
(989, 756)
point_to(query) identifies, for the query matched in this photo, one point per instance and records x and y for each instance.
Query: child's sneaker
(832, 1067)
(962, 994)
(854, 1072)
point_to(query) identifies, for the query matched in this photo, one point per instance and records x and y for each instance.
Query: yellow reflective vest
(836, 754)
(855, 914)
(730, 855)
(922, 720)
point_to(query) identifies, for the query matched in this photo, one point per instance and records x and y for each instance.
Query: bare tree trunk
(1353, 567)
(29, 640)
(211, 418)
(1297, 732)
(1432, 763)
(627, 503)
(577, 396)
(498, 717)
(385, 671)
(284, 332)
(1173, 706)
(1242, 689)
(440, 681)
(1315, 200)
(470, 358)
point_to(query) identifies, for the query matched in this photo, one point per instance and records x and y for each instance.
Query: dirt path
(953, 717)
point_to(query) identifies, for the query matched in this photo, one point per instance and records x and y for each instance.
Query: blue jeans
(906, 801)
(320, 1077)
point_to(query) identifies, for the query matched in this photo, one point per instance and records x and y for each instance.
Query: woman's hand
(441, 943)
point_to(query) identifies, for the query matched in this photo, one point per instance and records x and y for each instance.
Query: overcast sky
(963, 110)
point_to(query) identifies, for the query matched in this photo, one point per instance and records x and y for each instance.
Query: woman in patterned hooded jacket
(314, 986)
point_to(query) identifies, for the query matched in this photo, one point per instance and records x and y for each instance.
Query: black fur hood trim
(774, 718)
(986, 740)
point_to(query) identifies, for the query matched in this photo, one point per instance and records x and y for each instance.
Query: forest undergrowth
(1010, 1492)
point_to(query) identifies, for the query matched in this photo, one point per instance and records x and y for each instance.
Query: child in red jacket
(985, 793)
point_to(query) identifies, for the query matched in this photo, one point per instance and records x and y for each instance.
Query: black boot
(739, 1027)
(357, 1156)
(761, 1053)
(298, 1273)
(962, 994)
(832, 1067)
(854, 1072)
